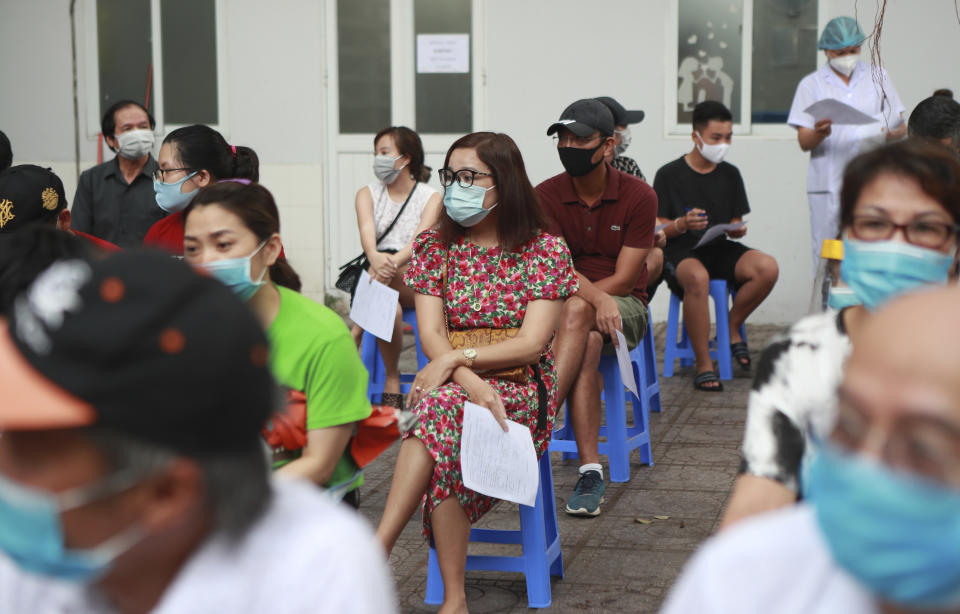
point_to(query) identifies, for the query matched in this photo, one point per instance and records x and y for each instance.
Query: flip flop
(707, 377)
(741, 354)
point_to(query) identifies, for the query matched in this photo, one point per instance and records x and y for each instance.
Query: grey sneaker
(587, 495)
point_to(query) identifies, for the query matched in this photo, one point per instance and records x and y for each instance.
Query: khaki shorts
(634, 315)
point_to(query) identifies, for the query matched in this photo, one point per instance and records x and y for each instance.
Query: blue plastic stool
(645, 371)
(620, 439)
(719, 349)
(370, 355)
(539, 536)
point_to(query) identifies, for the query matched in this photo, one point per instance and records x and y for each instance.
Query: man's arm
(81, 214)
(626, 274)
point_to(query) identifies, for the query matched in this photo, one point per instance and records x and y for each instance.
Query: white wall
(539, 56)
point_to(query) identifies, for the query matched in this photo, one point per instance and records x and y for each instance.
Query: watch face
(470, 353)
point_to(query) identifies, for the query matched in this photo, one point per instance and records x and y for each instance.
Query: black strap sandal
(703, 380)
(741, 353)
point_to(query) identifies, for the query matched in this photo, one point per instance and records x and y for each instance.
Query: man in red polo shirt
(607, 218)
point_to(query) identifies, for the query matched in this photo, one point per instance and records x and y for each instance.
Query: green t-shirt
(312, 352)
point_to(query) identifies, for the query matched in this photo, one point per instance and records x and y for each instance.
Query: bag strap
(399, 213)
(443, 291)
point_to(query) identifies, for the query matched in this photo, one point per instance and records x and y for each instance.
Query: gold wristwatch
(470, 354)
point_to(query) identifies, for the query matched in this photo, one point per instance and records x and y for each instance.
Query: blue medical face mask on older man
(877, 271)
(31, 533)
(897, 534)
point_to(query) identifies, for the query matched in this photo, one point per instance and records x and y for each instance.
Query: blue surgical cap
(840, 33)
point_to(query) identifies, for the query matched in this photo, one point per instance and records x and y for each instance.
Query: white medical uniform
(829, 159)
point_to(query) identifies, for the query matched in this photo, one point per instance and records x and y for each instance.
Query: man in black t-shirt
(695, 192)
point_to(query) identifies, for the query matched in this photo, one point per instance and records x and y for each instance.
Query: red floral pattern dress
(490, 289)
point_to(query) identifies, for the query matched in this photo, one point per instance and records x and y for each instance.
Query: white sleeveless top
(385, 209)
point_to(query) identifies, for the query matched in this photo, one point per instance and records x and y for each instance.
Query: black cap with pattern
(29, 193)
(141, 343)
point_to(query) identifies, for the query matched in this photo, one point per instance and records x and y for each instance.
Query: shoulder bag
(350, 271)
(479, 337)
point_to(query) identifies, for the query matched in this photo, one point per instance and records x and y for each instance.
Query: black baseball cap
(584, 117)
(29, 193)
(142, 344)
(621, 117)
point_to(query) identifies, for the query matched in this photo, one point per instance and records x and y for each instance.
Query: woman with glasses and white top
(391, 211)
(899, 215)
(191, 158)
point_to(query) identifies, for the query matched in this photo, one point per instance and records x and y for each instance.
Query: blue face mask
(235, 274)
(465, 205)
(170, 198)
(841, 297)
(899, 535)
(877, 271)
(31, 534)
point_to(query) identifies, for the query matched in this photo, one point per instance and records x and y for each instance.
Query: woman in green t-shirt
(232, 230)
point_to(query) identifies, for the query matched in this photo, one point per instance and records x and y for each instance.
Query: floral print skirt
(440, 425)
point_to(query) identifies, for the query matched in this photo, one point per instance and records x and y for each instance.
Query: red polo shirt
(625, 215)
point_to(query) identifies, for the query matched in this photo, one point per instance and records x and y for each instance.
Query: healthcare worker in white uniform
(846, 79)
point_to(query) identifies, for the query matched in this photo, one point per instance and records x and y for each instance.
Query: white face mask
(625, 138)
(713, 153)
(135, 144)
(845, 64)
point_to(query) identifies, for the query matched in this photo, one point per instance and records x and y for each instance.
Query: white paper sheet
(626, 366)
(715, 231)
(375, 307)
(498, 464)
(443, 53)
(839, 113)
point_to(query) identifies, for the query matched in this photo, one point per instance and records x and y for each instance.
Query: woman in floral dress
(502, 271)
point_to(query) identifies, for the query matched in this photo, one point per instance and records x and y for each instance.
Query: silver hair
(236, 484)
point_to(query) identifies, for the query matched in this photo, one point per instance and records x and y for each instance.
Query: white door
(373, 82)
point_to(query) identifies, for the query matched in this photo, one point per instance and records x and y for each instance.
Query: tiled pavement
(613, 563)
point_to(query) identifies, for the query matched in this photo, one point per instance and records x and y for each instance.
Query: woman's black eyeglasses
(464, 177)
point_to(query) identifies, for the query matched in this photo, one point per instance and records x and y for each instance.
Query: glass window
(188, 30)
(363, 50)
(784, 51)
(444, 90)
(709, 57)
(124, 52)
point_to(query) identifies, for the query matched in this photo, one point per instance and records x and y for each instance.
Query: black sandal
(741, 353)
(708, 377)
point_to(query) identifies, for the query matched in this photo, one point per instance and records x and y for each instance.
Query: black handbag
(350, 272)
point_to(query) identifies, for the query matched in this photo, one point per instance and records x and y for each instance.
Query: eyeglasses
(920, 448)
(577, 141)
(923, 233)
(464, 177)
(160, 172)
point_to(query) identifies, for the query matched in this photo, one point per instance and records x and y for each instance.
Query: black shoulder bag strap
(399, 213)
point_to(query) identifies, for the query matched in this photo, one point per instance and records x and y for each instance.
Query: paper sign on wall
(443, 53)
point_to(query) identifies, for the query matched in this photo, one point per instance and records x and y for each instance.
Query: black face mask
(578, 162)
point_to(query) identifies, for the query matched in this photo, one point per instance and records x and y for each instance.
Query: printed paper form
(375, 307)
(838, 112)
(498, 464)
(626, 366)
(715, 231)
